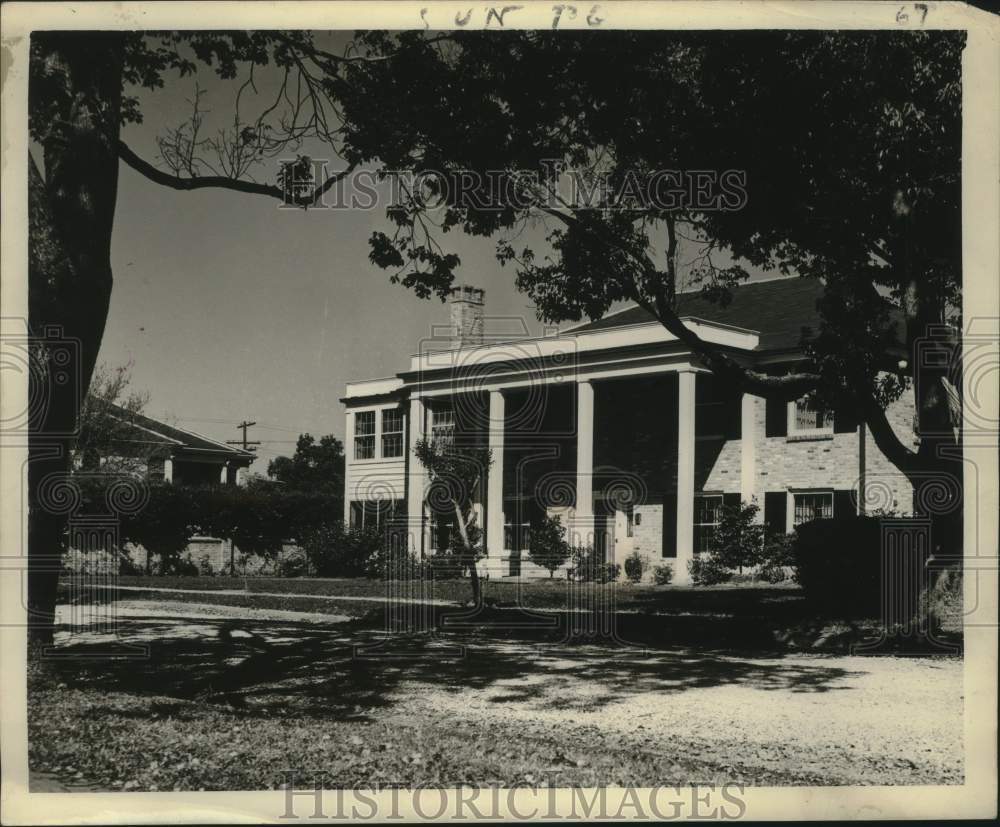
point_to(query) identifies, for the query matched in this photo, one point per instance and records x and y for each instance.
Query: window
(364, 435)
(392, 433)
(808, 416)
(813, 506)
(373, 514)
(443, 425)
(707, 514)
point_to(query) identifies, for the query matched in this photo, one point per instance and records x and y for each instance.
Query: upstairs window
(392, 433)
(443, 425)
(809, 416)
(364, 435)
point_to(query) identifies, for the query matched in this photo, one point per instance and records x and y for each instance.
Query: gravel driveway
(807, 719)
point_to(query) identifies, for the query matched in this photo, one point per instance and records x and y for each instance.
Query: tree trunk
(470, 554)
(934, 350)
(71, 213)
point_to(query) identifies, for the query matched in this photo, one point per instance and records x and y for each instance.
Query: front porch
(622, 459)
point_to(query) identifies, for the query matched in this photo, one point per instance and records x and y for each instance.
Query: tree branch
(178, 182)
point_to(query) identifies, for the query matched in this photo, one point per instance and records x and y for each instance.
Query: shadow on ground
(351, 671)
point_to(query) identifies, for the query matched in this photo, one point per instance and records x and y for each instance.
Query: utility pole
(244, 443)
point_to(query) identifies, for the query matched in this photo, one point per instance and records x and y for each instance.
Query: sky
(228, 307)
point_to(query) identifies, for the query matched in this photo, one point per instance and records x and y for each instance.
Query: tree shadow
(265, 668)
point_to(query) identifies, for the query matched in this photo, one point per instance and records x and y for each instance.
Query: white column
(224, 473)
(348, 461)
(748, 451)
(582, 530)
(168, 470)
(494, 482)
(685, 473)
(415, 482)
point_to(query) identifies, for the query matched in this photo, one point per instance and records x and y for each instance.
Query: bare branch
(178, 182)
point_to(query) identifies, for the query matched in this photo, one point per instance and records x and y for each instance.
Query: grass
(554, 594)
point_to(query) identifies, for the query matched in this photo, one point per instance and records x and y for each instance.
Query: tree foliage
(105, 437)
(315, 466)
(849, 143)
(548, 546)
(456, 473)
(738, 540)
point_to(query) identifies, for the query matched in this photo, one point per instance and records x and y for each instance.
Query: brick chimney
(466, 315)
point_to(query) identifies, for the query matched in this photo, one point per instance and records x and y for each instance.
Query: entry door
(623, 542)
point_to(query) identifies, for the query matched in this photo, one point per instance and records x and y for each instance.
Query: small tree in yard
(738, 540)
(456, 473)
(548, 547)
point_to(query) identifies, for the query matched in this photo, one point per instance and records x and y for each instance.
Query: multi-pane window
(392, 432)
(810, 416)
(364, 435)
(443, 425)
(813, 506)
(707, 515)
(373, 514)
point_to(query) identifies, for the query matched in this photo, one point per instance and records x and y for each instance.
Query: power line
(247, 445)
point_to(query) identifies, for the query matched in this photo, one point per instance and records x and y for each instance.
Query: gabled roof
(778, 309)
(173, 439)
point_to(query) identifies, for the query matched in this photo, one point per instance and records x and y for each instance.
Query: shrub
(772, 574)
(663, 574)
(333, 551)
(293, 564)
(779, 550)
(707, 570)
(738, 538)
(548, 547)
(635, 566)
(589, 566)
(178, 566)
(205, 566)
(838, 563)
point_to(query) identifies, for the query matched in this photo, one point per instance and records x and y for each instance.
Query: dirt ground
(789, 719)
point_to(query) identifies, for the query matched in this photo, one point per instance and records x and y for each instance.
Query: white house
(619, 428)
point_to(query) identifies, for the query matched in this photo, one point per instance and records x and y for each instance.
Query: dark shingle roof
(151, 430)
(778, 310)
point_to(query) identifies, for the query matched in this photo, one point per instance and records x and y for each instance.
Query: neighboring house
(158, 452)
(162, 452)
(618, 427)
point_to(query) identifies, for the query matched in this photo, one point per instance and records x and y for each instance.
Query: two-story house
(619, 428)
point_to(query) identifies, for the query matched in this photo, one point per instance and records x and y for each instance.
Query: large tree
(847, 146)
(315, 466)
(850, 144)
(83, 87)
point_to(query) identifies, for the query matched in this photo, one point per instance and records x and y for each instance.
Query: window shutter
(844, 505)
(734, 416)
(845, 420)
(670, 525)
(775, 505)
(776, 418)
(731, 500)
